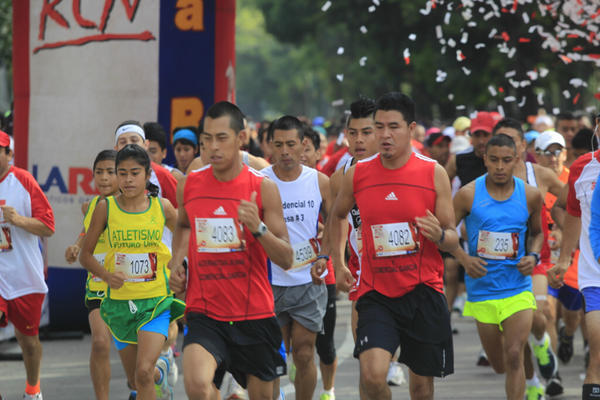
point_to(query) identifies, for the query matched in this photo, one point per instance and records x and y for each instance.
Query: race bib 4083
(218, 235)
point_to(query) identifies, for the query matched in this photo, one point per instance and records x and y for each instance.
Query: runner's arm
(559, 211)
(325, 188)
(451, 167)
(179, 245)
(86, 255)
(555, 185)
(536, 235)
(30, 224)
(594, 229)
(72, 251)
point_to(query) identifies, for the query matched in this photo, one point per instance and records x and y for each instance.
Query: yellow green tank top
(136, 249)
(93, 283)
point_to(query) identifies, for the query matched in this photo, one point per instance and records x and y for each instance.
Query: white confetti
(447, 18)
(467, 15)
(466, 70)
(443, 41)
(460, 107)
(438, 31)
(443, 50)
(427, 9)
(510, 99)
(533, 75)
(340, 51)
(481, 10)
(441, 76)
(451, 42)
(362, 61)
(412, 37)
(363, 29)
(522, 102)
(577, 82)
(493, 33)
(590, 109)
(459, 55)
(526, 18)
(450, 97)
(472, 24)
(406, 53)
(524, 83)
(326, 6)
(488, 16)
(337, 103)
(376, 2)
(566, 94)
(465, 38)
(510, 74)
(514, 83)
(372, 9)
(492, 90)
(512, 52)
(556, 111)
(479, 46)
(501, 110)
(544, 72)
(340, 77)
(540, 98)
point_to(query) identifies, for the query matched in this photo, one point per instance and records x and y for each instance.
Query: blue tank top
(497, 234)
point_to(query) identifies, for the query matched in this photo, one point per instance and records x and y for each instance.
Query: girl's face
(184, 154)
(105, 177)
(132, 178)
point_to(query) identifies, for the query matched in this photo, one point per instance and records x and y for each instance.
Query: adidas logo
(220, 211)
(391, 196)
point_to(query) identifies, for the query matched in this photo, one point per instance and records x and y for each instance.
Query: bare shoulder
(257, 163)
(196, 164)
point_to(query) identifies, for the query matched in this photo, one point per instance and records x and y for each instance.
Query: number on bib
(305, 253)
(140, 267)
(218, 235)
(394, 239)
(498, 245)
(5, 239)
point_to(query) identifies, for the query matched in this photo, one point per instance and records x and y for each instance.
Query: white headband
(129, 128)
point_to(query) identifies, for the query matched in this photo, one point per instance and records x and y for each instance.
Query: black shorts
(92, 304)
(240, 347)
(418, 322)
(325, 342)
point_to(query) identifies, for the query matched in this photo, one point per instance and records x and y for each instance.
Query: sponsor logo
(220, 211)
(391, 196)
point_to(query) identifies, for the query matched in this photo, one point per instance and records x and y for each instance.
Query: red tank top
(395, 256)
(227, 274)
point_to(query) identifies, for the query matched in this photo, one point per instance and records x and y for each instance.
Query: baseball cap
(436, 138)
(4, 139)
(185, 134)
(548, 138)
(531, 136)
(484, 121)
(432, 130)
(459, 143)
(461, 123)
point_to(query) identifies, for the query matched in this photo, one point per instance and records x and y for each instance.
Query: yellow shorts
(497, 310)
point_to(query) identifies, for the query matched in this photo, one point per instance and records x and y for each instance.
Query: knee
(513, 357)
(372, 380)
(421, 391)
(197, 388)
(144, 374)
(100, 345)
(303, 355)
(30, 345)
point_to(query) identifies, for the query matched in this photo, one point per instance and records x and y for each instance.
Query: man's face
(156, 154)
(310, 156)
(478, 140)
(500, 162)
(567, 128)
(220, 144)
(554, 157)
(520, 142)
(392, 133)
(5, 158)
(361, 138)
(130, 138)
(440, 151)
(287, 148)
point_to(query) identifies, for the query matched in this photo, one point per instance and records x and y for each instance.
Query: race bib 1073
(140, 267)
(498, 245)
(218, 235)
(395, 239)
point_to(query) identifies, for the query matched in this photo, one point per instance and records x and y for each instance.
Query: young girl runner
(105, 180)
(139, 304)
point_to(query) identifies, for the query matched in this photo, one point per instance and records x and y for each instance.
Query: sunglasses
(549, 153)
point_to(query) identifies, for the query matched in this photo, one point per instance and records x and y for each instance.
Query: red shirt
(166, 183)
(389, 200)
(228, 277)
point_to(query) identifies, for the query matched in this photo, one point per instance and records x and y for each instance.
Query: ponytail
(152, 189)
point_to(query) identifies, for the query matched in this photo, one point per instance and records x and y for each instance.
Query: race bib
(5, 239)
(394, 239)
(498, 245)
(218, 235)
(136, 267)
(100, 258)
(305, 253)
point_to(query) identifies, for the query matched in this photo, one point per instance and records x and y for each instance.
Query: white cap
(548, 138)
(11, 146)
(543, 119)
(458, 144)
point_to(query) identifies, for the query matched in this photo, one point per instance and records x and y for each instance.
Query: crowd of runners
(247, 241)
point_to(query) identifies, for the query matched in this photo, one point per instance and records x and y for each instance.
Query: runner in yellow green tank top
(139, 305)
(105, 179)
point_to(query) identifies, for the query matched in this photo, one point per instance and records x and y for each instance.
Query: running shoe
(554, 386)
(163, 390)
(281, 395)
(535, 392)
(482, 360)
(37, 396)
(231, 390)
(292, 372)
(459, 303)
(132, 395)
(395, 376)
(324, 396)
(565, 346)
(173, 369)
(546, 359)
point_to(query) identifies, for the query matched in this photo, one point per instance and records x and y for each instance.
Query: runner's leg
(374, 365)
(303, 350)
(492, 342)
(199, 368)
(100, 355)
(259, 389)
(32, 356)
(516, 332)
(420, 387)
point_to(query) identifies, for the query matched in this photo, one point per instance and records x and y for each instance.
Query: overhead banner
(83, 66)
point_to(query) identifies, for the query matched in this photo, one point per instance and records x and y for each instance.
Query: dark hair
(139, 155)
(396, 101)
(6, 149)
(314, 137)
(263, 131)
(565, 116)
(510, 123)
(501, 140)
(105, 155)
(361, 108)
(583, 140)
(155, 131)
(286, 123)
(225, 108)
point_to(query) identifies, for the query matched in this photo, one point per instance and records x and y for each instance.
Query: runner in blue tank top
(498, 210)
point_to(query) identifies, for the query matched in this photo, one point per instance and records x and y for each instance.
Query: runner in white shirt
(25, 215)
(299, 304)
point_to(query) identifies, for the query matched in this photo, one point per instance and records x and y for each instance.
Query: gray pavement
(65, 373)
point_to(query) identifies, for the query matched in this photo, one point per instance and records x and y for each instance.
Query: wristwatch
(536, 256)
(262, 229)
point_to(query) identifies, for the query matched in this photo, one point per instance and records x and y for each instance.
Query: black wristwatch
(536, 256)
(262, 229)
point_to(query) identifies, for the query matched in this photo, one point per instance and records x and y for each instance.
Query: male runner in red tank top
(405, 205)
(230, 309)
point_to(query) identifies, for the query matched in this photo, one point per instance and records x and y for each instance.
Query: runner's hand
(344, 280)
(178, 279)
(556, 274)
(71, 253)
(474, 266)
(430, 227)
(526, 265)
(116, 280)
(317, 270)
(248, 213)
(10, 214)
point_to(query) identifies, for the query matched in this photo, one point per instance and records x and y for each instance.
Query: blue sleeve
(595, 223)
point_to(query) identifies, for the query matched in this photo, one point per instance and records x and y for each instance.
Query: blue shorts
(570, 298)
(592, 298)
(159, 324)
(552, 292)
